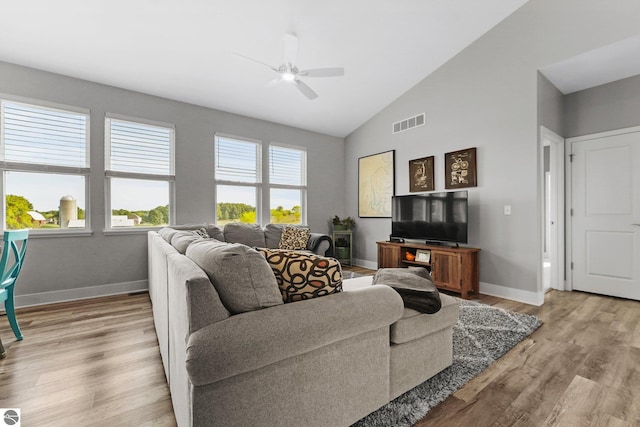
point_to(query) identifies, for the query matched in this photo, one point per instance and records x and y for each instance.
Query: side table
(343, 245)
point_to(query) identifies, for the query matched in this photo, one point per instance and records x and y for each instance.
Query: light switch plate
(507, 209)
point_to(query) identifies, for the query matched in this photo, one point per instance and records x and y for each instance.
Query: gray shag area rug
(482, 335)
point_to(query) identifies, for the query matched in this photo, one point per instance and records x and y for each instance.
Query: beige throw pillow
(303, 276)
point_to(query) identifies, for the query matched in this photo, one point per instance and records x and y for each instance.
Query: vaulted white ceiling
(184, 50)
(597, 67)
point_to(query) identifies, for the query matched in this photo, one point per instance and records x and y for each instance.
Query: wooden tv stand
(452, 269)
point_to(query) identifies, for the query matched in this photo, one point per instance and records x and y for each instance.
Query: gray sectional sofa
(326, 361)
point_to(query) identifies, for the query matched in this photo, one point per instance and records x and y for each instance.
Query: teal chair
(15, 246)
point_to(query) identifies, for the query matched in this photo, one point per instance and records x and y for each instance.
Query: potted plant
(349, 223)
(343, 224)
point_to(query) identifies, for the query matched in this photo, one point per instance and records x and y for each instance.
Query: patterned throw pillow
(202, 232)
(303, 276)
(294, 238)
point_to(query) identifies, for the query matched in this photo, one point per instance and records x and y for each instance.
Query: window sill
(126, 231)
(46, 234)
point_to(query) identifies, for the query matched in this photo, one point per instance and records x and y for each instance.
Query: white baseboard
(80, 293)
(527, 297)
(372, 265)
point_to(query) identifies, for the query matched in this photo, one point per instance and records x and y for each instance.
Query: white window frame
(170, 178)
(46, 169)
(257, 185)
(303, 187)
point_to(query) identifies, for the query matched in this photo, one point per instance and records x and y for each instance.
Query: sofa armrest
(320, 244)
(252, 340)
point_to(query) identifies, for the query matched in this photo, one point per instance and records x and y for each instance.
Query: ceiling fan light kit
(290, 73)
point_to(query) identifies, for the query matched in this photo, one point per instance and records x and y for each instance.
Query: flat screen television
(433, 217)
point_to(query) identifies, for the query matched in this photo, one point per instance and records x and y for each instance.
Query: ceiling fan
(290, 73)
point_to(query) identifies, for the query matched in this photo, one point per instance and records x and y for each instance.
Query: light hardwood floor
(580, 368)
(96, 363)
(86, 363)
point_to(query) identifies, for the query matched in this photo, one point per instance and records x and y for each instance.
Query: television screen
(438, 217)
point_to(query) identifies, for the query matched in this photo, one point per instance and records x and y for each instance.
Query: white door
(606, 213)
(553, 265)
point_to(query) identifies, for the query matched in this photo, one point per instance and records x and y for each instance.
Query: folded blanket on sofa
(417, 291)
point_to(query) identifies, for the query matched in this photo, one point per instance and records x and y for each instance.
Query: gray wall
(73, 267)
(486, 97)
(550, 106)
(611, 106)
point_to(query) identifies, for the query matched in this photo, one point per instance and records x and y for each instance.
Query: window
(139, 172)
(44, 155)
(239, 182)
(287, 184)
(238, 177)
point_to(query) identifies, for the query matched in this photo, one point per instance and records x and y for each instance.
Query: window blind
(139, 148)
(286, 166)
(237, 160)
(44, 136)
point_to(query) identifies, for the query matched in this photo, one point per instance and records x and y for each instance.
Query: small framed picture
(423, 255)
(460, 169)
(421, 174)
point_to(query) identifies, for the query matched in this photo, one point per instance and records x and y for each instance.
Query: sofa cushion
(302, 276)
(182, 239)
(241, 275)
(414, 325)
(251, 235)
(294, 238)
(167, 233)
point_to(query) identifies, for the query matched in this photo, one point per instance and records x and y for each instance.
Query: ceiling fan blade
(273, 82)
(306, 90)
(323, 72)
(255, 60)
(290, 49)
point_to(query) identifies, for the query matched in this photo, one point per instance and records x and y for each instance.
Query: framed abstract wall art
(376, 185)
(421, 174)
(460, 169)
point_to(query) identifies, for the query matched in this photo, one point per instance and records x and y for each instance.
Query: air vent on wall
(409, 123)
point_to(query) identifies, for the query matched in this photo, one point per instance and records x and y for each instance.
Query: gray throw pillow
(202, 232)
(243, 278)
(272, 234)
(251, 235)
(215, 232)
